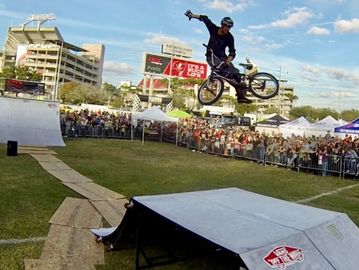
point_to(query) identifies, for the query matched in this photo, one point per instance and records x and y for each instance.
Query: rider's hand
(226, 65)
(189, 14)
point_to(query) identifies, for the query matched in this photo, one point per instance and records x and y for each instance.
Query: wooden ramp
(70, 245)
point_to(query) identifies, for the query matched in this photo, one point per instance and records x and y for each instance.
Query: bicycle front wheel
(264, 85)
(210, 91)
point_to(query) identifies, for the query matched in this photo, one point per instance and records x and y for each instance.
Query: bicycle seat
(247, 66)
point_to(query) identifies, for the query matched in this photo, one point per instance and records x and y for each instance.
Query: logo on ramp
(281, 257)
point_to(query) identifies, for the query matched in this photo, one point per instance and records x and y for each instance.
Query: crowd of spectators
(327, 154)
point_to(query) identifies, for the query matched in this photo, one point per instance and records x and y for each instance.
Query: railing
(302, 161)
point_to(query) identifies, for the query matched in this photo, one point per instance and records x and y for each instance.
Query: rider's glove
(189, 14)
(226, 65)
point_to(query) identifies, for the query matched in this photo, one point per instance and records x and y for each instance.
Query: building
(284, 101)
(44, 49)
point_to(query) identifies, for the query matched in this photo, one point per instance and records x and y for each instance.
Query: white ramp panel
(30, 122)
(338, 241)
(296, 252)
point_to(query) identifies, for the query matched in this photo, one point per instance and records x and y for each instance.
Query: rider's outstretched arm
(191, 15)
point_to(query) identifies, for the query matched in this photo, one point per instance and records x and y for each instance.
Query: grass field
(29, 196)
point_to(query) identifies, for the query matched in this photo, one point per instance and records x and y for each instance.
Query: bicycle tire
(210, 91)
(264, 85)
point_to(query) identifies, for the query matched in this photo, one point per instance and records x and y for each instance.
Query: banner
(17, 86)
(175, 67)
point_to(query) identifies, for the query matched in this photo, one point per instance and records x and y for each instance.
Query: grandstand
(44, 49)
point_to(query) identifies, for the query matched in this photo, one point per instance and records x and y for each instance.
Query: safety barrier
(302, 161)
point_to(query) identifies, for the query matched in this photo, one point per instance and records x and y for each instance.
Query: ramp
(30, 122)
(260, 232)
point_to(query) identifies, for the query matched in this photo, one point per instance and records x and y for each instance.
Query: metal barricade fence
(350, 166)
(333, 164)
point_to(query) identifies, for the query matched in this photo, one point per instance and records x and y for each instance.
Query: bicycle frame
(216, 70)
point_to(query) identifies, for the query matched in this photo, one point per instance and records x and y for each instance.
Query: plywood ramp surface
(36, 264)
(46, 158)
(35, 150)
(94, 191)
(68, 175)
(78, 213)
(112, 210)
(54, 165)
(66, 244)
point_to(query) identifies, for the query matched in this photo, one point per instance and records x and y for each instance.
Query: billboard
(176, 49)
(21, 54)
(18, 86)
(174, 67)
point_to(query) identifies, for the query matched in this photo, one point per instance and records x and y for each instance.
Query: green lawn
(29, 196)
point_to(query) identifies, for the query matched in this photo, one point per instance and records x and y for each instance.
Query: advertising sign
(21, 54)
(174, 67)
(17, 86)
(177, 49)
(281, 257)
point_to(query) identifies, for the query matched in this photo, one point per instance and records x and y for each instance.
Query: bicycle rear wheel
(210, 91)
(264, 85)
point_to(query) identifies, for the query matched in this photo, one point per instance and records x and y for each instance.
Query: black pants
(232, 71)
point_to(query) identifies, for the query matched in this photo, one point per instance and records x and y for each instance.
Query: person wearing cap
(221, 39)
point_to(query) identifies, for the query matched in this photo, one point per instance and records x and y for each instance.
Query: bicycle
(261, 84)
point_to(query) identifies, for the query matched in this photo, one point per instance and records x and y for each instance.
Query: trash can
(12, 148)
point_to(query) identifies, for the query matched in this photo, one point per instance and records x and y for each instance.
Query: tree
(20, 73)
(271, 110)
(305, 111)
(178, 99)
(109, 89)
(291, 97)
(349, 115)
(76, 93)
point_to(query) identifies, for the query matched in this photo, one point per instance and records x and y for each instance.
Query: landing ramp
(264, 232)
(30, 122)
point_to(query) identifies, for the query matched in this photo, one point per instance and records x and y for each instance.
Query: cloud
(344, 26)
(295, 16)
(13, 14)
(259, 42)
(252, 39)
(325, 74)
(319, 31)
(337, 94)
(117, 68)
(159, 39)
(227, 6)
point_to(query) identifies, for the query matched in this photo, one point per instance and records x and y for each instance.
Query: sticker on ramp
(281, 257)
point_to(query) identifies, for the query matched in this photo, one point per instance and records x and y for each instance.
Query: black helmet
(227, 21)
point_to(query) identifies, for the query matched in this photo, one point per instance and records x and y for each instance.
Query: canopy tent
(271, 124)
(179, 114)
(351, 128)
(257, 230)
(152, 114)
(321, 127)
(296, 127)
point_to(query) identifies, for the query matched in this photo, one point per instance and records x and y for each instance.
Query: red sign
(186, 69)
(281, 257)
(174, 67)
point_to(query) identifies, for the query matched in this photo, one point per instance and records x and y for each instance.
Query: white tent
(296, 127)
(152, 114)
(321, 127)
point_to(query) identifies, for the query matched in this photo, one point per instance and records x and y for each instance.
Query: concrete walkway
(70, 245)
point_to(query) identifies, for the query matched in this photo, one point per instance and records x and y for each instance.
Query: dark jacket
(216, 42)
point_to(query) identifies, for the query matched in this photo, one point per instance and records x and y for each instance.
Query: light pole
(58, 72)
(171, 63)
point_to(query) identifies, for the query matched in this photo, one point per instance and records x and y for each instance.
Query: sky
(311, 44)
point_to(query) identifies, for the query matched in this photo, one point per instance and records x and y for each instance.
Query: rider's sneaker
(244, 100)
